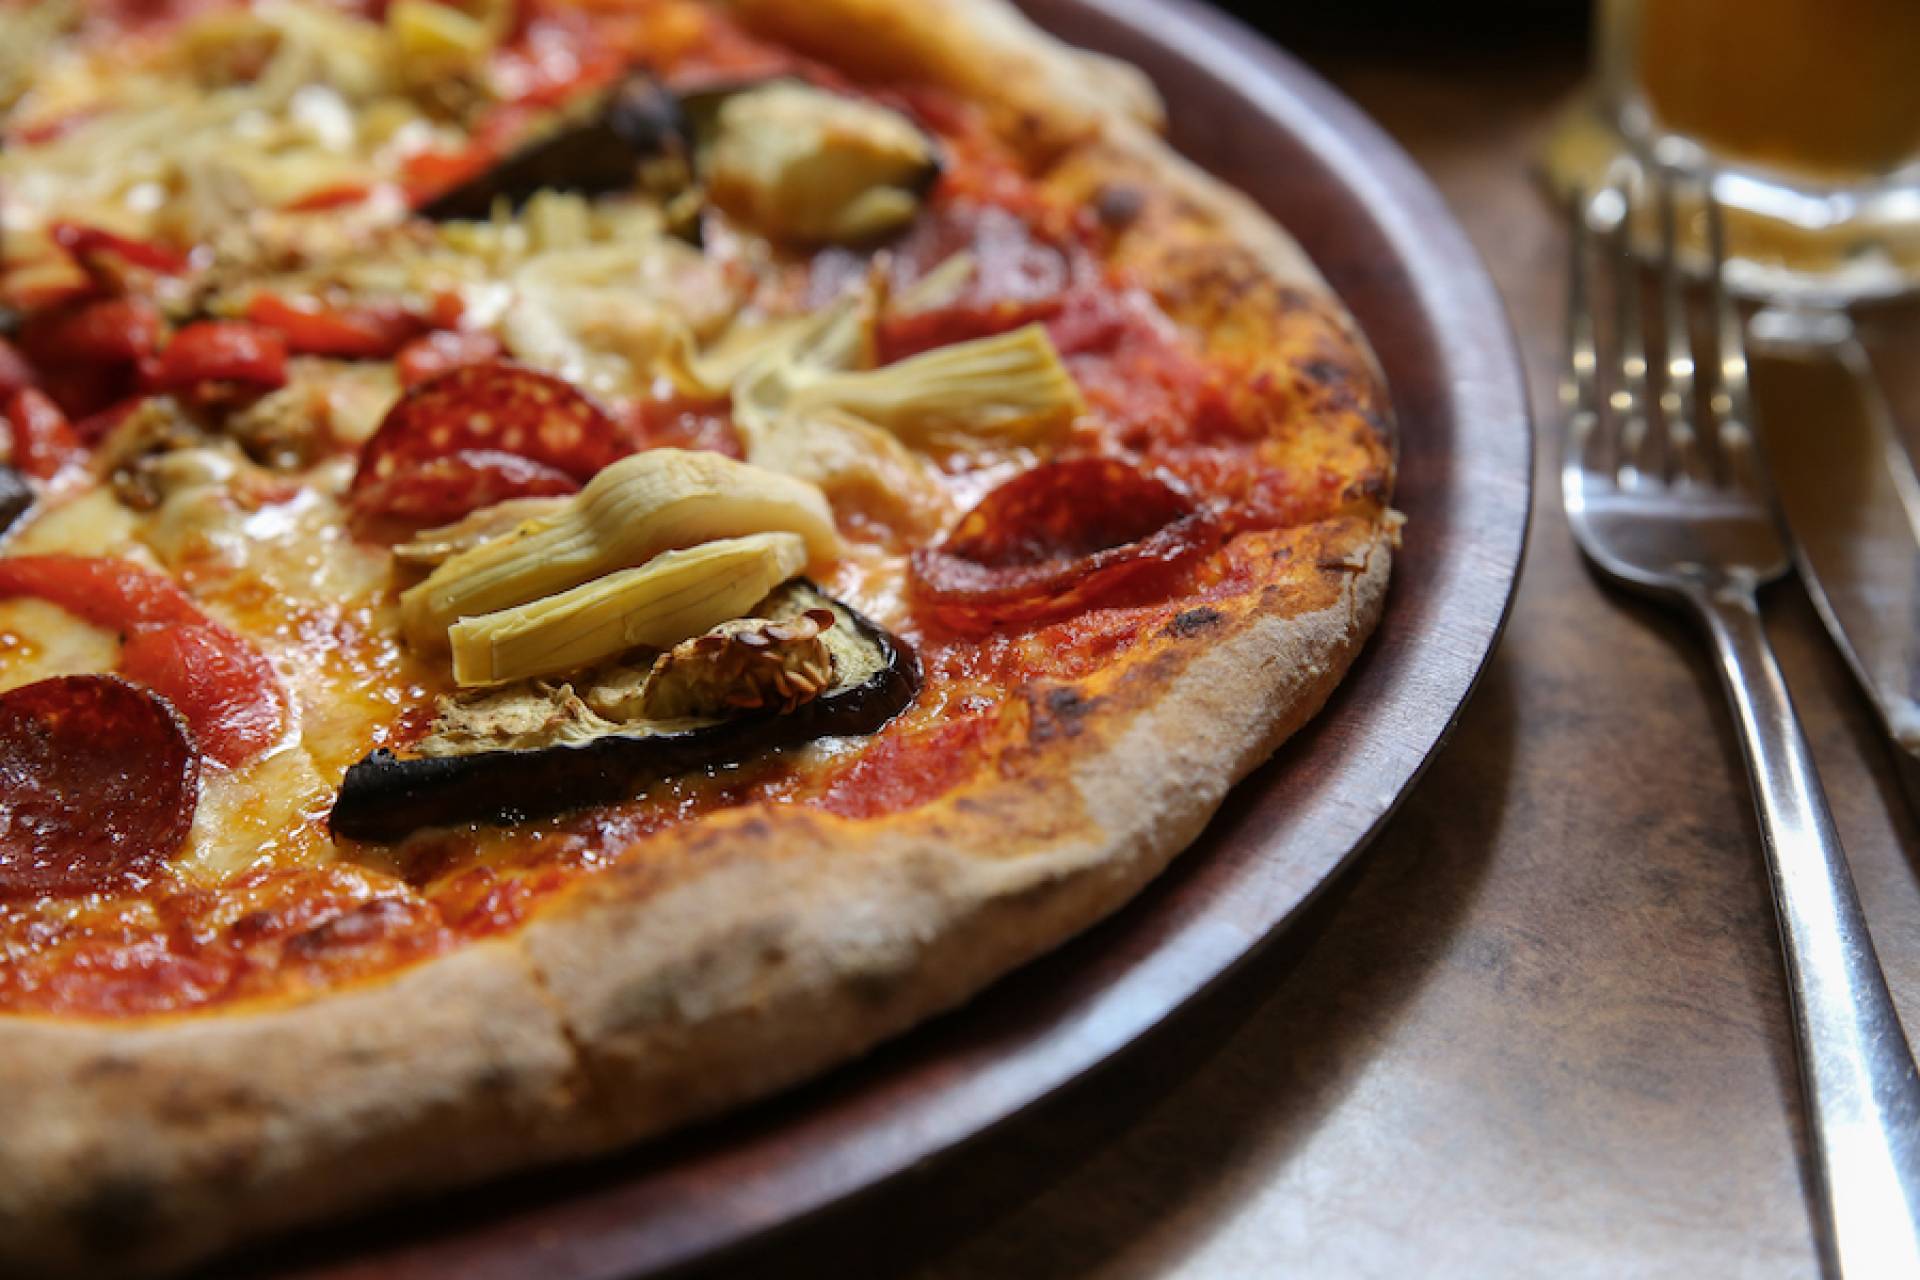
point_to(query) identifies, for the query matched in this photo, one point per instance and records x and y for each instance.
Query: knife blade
(1850, 495)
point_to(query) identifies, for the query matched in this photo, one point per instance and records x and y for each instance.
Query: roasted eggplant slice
(585, 758)
(16, 496)
(633, 132)
(791, 160)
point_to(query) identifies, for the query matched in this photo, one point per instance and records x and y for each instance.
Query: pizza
(569, 566)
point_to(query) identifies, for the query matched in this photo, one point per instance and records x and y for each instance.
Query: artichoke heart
(428, 31)
(675, 595)
(859, 464)
(1010, 387)
(432, 547)
(627, 514)
(802, 164)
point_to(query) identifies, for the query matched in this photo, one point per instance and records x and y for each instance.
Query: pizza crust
(781, 944)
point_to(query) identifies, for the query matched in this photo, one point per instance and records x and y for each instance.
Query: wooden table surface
(1540, 1026)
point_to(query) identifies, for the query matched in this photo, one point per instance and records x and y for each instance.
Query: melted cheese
(290, 577)
(90, 522)
(236, 110)
(270, 811)
(39, 641)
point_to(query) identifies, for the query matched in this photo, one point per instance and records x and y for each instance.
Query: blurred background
(1408, 24)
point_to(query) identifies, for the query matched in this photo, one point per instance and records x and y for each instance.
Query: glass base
(1824, 246)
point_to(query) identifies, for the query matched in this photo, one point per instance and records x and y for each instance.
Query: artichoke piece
(431, 32)
(585, 759)
(627, 514)
(804, 165)
(675, 595)
(432, 547)
(1010, 387)
(858, 464)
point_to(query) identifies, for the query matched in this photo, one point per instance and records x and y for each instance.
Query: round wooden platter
(1387, 244)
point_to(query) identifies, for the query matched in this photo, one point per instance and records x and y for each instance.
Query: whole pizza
(568, 566)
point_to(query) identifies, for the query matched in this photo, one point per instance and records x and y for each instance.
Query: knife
(1850, 496)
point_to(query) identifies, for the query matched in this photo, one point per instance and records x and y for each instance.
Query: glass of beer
(1803, 114)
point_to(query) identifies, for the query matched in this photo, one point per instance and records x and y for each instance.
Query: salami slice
(225, 688)
(1060, 539)
(461, 428)
(441, 490)
(98, 783)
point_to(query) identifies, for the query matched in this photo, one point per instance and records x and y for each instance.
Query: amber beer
(1827, 91)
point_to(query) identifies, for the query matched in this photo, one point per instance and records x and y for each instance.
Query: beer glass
(1804, 114)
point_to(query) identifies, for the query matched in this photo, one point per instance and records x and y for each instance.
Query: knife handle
(1862, 1092)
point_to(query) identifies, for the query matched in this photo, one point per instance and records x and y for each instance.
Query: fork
(1668, 497)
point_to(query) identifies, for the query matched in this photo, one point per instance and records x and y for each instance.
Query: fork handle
(1862, 1093)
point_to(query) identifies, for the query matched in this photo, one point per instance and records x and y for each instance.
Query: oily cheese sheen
(1067, 480)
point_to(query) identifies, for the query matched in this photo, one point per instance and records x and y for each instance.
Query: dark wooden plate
(1389, 247)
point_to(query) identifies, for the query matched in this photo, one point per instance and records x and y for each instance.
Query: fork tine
(1687, 460)
(1640, 446)
(1729, 408)
(1586, 444)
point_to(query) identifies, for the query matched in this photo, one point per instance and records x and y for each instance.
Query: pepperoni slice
(98, 784)
(1060, 539)
(472, 419)
(441, 490)
(226, 688)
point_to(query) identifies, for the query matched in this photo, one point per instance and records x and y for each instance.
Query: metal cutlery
(1664, 490)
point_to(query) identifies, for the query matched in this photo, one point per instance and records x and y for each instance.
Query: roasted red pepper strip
(364, 331)
(425, 174)
(100, 780)
(104, 331)
(1060, 539)
(478, 434)
(15, 372)
(83, 242)
(115, 594)
(220, 351)
(223, 686)
(43, 440)
(226, 688)
(334, 197)
(444, 350)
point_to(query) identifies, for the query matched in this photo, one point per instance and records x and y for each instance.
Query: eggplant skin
(387, 797)
(636, 121)
(16, 497)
